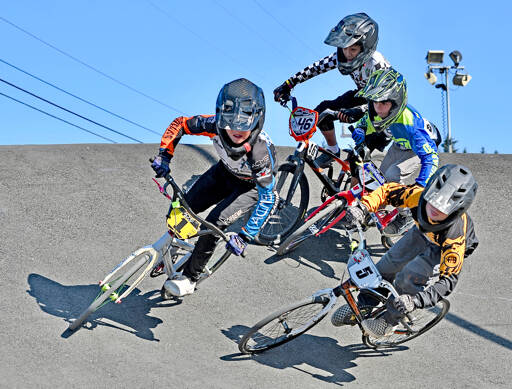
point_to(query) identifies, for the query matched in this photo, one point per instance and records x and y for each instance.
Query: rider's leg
(399, 166)
(414, 277)
(224, 214)
(346, 100)
(397, 257)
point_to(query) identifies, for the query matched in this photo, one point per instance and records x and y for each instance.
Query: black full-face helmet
(357, 28)
(451, 190)
(241, 107)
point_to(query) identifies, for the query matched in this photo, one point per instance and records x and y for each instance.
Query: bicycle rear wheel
(284, 325)
(287, 215)
(422, 321)
(113, 289)
(311, 227)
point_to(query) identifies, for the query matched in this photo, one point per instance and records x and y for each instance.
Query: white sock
(333, 149)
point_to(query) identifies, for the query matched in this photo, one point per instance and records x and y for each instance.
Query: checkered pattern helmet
(357, 28)
(451, 190)
(241, 107)
(385, 85)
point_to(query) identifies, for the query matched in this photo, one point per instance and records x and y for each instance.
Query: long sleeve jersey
(257, 166)
(330, 62)
(410, 131)
(457, 241)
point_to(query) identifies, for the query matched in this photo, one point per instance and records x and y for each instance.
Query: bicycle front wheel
(311, 227)
(284, 325)
(113, 289)
(291, 207)
(422, 321)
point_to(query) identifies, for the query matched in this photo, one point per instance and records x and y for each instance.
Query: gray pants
(398, 165)
(411, 264)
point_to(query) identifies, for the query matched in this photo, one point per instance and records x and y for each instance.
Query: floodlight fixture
(461, 79)
(431, 77)
(435, 56)
(456, 57)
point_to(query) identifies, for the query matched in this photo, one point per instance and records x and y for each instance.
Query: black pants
(346, 100)
(233, 198)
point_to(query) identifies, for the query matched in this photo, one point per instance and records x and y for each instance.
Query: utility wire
(211, 44)
(55, 117)
(79, 98)
(93, 68)
(67, 110)
(284, 27)
(252, 30)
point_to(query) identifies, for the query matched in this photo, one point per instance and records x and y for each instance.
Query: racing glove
(406, 303)
(161, 165)
(282, 92)
(356, 214)
(358, 136)
(237, 244)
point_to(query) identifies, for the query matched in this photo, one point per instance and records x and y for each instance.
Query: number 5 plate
(362, 270)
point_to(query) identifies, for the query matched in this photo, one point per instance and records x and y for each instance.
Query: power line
(252, 30)
(284, 27)
(55, 117)
(224, 53)
(79, 98)
(71, 112)
(93, 68)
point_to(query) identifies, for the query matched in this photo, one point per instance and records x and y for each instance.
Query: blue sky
(179, 54)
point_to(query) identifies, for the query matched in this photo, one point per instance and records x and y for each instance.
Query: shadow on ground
(316, 352)
(68, 302)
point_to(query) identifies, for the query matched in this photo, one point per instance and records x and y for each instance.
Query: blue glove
(237, 244)
(161, 166)
(358, 136)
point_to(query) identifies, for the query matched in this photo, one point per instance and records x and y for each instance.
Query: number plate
(312, 150)
(362, 270)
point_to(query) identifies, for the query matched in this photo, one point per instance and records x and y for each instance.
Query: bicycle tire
(321, 219)
(285, 219)
(432, 316)
(114, 287)
(312, 313)
(388, 242)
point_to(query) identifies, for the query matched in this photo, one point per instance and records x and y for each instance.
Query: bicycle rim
(422, 321)
(110, 291)
(284, 325)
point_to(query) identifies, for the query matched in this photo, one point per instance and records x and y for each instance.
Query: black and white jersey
(359, 75)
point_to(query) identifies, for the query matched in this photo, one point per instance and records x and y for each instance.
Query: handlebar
(178, 194)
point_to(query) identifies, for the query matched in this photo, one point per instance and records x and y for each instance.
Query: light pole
(459, 79)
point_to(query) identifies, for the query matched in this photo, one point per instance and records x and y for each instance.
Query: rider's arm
(324, 65)
(263, 163)
(194, 125)
(453, 251)
(427, 152)
(392, 193)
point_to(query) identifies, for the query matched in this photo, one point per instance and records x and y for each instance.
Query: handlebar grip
(151, 159)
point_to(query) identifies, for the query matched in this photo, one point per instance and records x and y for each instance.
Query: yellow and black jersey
(457, 241)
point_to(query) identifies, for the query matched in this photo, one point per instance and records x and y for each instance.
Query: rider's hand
(405, 303)
(356, 214)
(282, 92)
(349, 115)
(237, 243)
(161, 166)
(358, 136)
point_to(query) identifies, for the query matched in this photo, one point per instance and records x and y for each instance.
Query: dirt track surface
(70, 213)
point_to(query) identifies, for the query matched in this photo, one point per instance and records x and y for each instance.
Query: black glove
(356, 214)
(160, 165)
(350, 115)
(406, 303)
(282, 92)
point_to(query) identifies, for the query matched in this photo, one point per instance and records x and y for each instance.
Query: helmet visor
(237, 114)
(343, 36)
